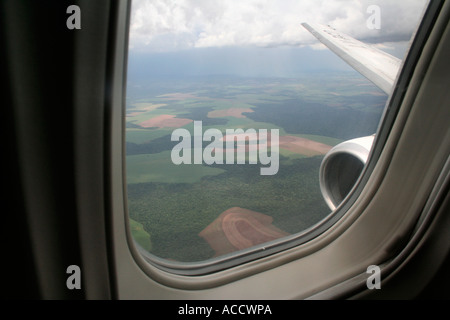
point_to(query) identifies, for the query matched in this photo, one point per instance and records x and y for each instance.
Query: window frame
(159, 277)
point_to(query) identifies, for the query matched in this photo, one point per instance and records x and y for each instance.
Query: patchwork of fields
(197, 212)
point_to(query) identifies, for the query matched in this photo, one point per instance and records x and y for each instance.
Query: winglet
(378, 66)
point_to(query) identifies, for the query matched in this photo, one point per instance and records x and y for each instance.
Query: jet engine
(341, 168)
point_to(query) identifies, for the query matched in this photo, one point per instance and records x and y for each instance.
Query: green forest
(173, 214)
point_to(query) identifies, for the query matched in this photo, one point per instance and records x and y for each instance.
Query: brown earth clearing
(165, 121)
(238, 229)
(303, 146)
(298, 145)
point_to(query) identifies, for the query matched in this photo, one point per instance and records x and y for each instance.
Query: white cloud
(167, 25)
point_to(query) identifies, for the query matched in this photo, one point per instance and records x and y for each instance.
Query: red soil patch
(294, 144)
(238, 229)
(232, 112)
(303, 146)
(165, 121)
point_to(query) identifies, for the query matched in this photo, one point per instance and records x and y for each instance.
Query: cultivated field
(165, 121)
(238, 229)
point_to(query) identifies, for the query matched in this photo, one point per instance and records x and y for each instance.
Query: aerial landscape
(195, 212)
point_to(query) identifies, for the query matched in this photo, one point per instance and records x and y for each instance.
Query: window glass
(231, 108)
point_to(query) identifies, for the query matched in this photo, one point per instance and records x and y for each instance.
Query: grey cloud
(167, 25)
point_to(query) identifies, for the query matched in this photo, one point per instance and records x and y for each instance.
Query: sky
(257, 37)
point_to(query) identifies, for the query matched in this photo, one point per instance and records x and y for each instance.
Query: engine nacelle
(341, 168)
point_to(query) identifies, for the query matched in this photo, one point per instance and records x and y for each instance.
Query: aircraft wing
(379, 67)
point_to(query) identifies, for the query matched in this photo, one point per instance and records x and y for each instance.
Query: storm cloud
(172, 25)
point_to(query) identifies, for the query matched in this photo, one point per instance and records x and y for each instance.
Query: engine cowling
(341, 168)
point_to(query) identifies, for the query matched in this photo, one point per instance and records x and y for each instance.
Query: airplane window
(248, 123)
